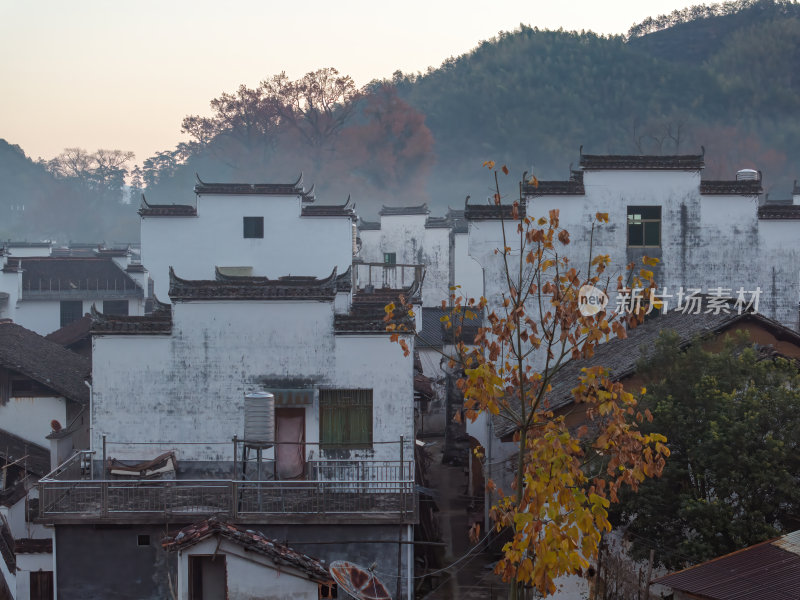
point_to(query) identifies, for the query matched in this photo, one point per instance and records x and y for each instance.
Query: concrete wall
(30, 418)
(44, 316)
(101, 562)
(291, 244)
(190, 387)
(467, 271)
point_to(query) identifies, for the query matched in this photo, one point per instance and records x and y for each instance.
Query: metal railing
(387, 275)
(84, 288)
(356, 489)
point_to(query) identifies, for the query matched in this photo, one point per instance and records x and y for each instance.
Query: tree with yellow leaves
(565, 476)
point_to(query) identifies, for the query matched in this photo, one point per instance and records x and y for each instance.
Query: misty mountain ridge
(721, 76)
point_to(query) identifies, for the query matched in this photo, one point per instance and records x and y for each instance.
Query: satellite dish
(359, 582)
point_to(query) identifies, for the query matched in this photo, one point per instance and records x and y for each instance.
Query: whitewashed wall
(290, 246)
(26, 564)
(707, 241)
(30, 418)
(44, 316)
(190, 386)
(250, 576)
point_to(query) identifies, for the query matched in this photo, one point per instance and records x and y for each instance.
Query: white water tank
(259, 418)
(747, 175)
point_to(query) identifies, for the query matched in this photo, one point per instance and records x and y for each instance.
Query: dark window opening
(253, 227)
(71, 311)
(115, 307)
(41, 583)
(390, 258)
(644, 226)
(345, 418)
(208, 577)
(142, 540)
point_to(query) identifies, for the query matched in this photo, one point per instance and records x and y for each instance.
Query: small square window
(389, 258)
(253, 227)
(71, 310)
(644, 226)
(142, 540)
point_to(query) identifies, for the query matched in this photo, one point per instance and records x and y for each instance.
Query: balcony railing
(46, 289)
(387, 275)
(344, 490)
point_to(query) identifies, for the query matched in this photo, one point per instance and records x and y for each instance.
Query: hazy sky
(108, 74)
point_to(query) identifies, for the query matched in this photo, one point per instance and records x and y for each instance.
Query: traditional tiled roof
(437, 223)
(33, 546)
(166, 210)
(32, 458)
(253, 541)
(458, 220)
(44, 361)
(12, 244)
(73, 275)
(491, 212)
(369, 225)
(159, 322)
(571, 187)
(767, 570)
(255, 189)
(112, 252)
(231, 287)
(621, 357)
(435, 334)
(769, 212)
(322, 210)
(731, 188)
(388, 211)
(677, 162)
(367, 311)
(73, 332)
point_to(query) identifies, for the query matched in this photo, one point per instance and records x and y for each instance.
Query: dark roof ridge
(44, 361)
(731, 187)
(492, 212)
(679, 162)
(242, 287)
(159, 322)
(257, 189)
(166, 210)
(330, 210)
(768, 212)
(253, 540)
(420, 209)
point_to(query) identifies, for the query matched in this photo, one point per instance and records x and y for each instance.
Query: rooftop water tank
(747, 175)
(259, 418)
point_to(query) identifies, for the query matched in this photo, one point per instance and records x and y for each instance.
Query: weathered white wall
(44, 316)
(707, 241)
(468, 272)
(291, 244)
(27, 563)
(30, 418)
(191, 386)
(250, 576)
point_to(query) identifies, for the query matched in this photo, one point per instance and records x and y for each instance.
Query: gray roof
(621, 357)
(47, 363)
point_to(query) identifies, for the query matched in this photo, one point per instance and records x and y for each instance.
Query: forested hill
(726, 77)
(723, 76)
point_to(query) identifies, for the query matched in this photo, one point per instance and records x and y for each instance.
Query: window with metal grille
(253, 227)
(644, 226)
(71, 311)
(390, 258)
(345, 418)
(115, 307)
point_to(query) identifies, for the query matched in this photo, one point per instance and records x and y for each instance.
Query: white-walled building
(267, 230)
(270, 305)
(217, 559)
(45, 293)
(43, 418)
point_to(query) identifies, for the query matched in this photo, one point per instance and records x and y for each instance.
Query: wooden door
(290, 433)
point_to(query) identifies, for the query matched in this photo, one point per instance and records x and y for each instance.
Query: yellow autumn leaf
(602, 217)
(650, 261)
